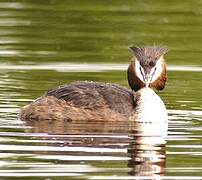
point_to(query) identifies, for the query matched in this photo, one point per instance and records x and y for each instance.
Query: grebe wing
(94, 95)
(78, 95)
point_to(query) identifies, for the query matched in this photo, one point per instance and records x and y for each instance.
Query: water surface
(50, 43)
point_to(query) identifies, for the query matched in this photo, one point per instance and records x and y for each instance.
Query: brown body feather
(82, 100)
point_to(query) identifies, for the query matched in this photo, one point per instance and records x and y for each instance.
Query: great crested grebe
(109, 102)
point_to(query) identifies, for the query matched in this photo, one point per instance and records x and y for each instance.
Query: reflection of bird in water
(144, 155)
(110, 102)
(147, 157)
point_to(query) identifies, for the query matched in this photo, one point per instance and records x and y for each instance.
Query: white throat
(151, 115)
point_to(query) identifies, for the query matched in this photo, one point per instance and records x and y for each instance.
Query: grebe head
(147, 68)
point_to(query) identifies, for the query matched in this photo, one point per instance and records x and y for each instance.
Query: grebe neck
(150, 111)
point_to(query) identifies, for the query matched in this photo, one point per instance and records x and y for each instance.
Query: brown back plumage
(91, 95)
(82, 100)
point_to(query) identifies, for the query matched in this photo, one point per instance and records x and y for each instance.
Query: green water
(44, 44)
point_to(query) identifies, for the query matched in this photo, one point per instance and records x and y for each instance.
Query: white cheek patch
(157, 70)
(137, 70)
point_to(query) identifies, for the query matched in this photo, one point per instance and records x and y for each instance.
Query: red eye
(152, 63)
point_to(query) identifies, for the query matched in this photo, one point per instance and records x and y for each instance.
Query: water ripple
(87, 67)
